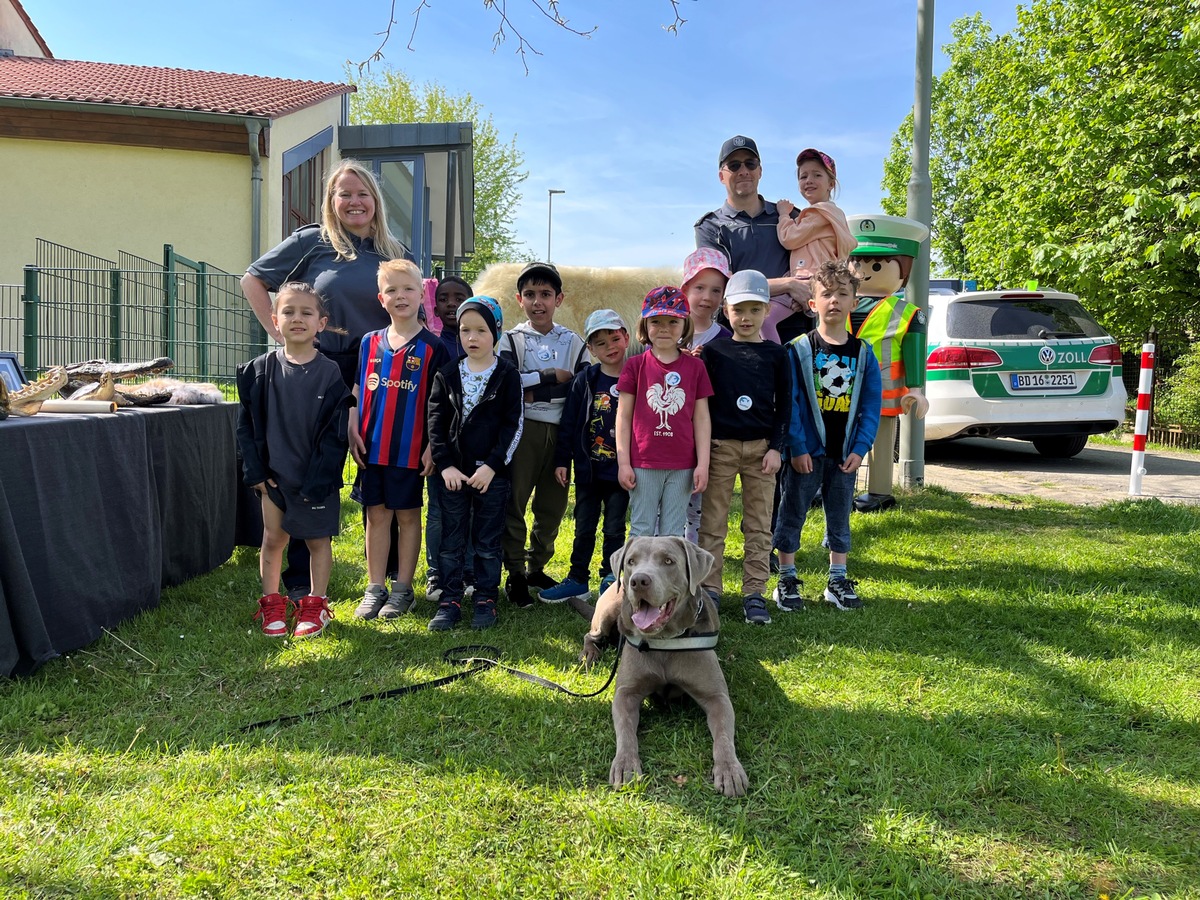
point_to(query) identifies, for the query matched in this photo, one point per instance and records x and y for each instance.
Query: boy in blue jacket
(587, 438)
(836, 399)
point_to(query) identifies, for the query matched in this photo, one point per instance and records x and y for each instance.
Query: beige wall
(14, 33)
(100, 199)
(287, 132)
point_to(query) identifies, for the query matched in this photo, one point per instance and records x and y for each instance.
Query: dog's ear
(698, 564)
(617, 561)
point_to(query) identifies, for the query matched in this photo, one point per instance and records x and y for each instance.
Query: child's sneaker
(447, 616)
(607, 581)
(540, 580)
(565, 590)
(433, 588)
(516, 587)
(273, 612)
(485, 614)
(714, 597)
(840, 592)
(755, 608)
(312, 615)
(398, 603)
(372, 602)
(787, 594)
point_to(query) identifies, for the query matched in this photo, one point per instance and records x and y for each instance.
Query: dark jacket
(490, 434)
(572, 445)
(329, 447)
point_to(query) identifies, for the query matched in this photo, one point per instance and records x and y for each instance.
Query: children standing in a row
(547, 356)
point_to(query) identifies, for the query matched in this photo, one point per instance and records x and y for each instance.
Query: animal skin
(658, 595)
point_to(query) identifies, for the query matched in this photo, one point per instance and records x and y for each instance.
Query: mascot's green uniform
(895, 329)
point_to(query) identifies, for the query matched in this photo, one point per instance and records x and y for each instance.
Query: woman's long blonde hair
(332, 229)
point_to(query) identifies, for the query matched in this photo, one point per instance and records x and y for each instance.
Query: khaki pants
(532, 475)
(729, 460)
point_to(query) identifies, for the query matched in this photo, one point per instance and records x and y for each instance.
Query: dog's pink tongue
(647, 616)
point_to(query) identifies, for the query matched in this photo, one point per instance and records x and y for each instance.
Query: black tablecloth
(99, 512)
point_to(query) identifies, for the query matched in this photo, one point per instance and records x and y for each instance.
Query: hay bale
(585, 288)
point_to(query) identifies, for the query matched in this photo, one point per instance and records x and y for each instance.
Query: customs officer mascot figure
(896, 331)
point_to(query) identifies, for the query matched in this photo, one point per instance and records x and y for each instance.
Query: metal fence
(77, 307)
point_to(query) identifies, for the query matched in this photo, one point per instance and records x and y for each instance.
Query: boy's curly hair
(834, 272)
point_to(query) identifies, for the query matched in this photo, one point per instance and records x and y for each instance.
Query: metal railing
(78, 307)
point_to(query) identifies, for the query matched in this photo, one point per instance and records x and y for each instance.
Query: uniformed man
(744, 229)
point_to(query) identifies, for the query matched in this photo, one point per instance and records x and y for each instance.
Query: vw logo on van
(1046, 355)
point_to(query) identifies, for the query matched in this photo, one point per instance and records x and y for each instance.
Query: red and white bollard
(1141, 423)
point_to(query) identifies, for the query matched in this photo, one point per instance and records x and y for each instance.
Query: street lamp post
(550, 217)
(920, 207)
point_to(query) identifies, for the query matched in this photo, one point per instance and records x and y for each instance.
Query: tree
(389, 96)
(1067, 151)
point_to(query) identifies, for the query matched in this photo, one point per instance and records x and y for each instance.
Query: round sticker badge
(744, 402)
(672, 379)
(544, 354)
(614, 392)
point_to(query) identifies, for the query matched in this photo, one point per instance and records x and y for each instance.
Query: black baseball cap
(737, 142)
(540, 271)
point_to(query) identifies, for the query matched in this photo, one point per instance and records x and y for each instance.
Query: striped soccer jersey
(393, 400)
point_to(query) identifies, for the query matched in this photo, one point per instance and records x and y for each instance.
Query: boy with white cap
(587, 438)
(749, 409)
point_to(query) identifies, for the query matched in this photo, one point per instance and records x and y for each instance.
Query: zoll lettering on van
(1070, 356)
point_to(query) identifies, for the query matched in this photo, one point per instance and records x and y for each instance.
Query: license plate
(1043, 381)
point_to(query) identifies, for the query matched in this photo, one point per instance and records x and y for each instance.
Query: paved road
(1099, 474)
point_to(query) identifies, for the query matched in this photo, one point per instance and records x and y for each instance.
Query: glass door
(402, 180)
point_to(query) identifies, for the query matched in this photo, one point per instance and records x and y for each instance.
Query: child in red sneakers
(292, 436)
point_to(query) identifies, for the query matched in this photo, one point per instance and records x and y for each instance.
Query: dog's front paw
(625, 768)
(730, 778)
(593, 649)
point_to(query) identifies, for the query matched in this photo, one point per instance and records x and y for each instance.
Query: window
(302, 193)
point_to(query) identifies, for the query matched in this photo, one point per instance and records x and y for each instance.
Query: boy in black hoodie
(476, 411)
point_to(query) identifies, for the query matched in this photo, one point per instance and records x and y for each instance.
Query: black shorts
(307, 519)
(391, 486)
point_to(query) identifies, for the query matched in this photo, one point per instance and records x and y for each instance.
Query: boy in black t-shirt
(587, 437)
(836, 397)
(749, 410)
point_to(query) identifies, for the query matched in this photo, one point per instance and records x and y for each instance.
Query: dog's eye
(669, 561)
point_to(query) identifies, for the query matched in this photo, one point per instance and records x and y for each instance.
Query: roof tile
(152, 86)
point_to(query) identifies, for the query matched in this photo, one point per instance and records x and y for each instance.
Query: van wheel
(1061, 447)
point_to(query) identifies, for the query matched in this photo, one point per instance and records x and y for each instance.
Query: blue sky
(628, 122)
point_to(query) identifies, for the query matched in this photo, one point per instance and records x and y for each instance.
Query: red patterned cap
(667, 300)
(824, 158)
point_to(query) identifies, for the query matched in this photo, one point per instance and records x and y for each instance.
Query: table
(98, 513)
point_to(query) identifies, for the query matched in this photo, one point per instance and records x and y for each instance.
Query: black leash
(470, 654)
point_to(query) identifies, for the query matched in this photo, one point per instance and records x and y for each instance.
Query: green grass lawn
(1015, 714)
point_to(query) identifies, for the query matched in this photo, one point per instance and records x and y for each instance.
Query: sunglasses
(736, 165)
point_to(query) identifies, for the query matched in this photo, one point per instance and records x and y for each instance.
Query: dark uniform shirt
(749, 243)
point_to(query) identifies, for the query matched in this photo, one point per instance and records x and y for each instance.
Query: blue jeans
(797, 492)
(433, 532)
(475, 521)
(589, 499)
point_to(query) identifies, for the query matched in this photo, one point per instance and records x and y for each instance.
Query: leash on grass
(469, 654)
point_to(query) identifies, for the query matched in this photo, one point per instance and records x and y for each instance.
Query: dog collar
(683, 642)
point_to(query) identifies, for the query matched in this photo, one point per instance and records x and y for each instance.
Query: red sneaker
(273, 611)
(312, 615)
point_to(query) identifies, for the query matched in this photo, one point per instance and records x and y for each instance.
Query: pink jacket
(819, 233)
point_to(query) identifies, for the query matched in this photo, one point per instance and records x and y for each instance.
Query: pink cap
(704, 258)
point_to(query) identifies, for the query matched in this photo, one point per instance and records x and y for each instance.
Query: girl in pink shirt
(819, 233)
(663, 429)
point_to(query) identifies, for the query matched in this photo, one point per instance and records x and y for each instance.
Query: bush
(1178, 401)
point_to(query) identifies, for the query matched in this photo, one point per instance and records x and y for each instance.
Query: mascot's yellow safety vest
(884, 329)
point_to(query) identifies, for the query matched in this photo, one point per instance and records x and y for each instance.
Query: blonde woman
(339, 258)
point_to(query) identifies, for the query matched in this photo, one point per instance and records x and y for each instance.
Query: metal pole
(920, 207)
(550, 217)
